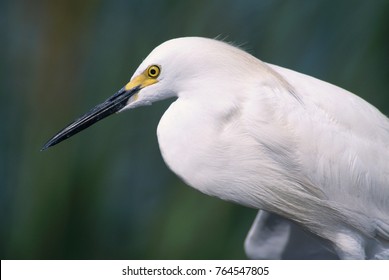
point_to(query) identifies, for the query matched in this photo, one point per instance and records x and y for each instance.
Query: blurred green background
(106, 193)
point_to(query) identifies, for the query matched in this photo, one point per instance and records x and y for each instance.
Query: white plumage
(273, 139)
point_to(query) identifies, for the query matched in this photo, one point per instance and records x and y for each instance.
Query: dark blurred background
(106, 193)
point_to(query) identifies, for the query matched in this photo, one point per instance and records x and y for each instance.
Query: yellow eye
(153, 71)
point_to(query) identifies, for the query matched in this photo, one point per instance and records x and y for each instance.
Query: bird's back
(343, 143)
(342, 148)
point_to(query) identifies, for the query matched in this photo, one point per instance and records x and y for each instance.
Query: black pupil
(153, 72)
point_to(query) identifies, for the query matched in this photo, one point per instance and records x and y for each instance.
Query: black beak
(108, 107)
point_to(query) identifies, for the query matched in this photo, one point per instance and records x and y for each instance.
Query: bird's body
(273, 139)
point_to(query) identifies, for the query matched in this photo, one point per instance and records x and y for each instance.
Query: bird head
(173, 69)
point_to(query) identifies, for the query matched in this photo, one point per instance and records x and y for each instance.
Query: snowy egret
(309, 153)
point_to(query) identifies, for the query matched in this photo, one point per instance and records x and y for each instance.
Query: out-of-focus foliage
(106, 193)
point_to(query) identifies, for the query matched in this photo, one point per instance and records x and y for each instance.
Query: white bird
(312, 157)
